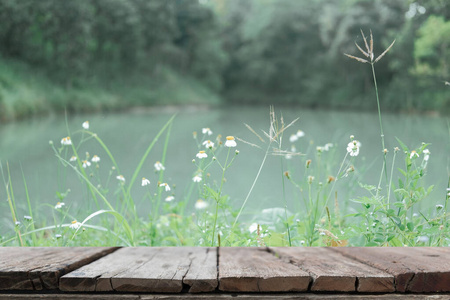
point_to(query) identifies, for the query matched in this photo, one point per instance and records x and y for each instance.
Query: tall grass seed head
(368, 53)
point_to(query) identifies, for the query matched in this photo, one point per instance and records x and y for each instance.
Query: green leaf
(395, 242)
(410, 226)
(404, 147)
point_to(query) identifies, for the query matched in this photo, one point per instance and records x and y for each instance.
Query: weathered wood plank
(334, 272)
(248, 296)
(158, 270)
(40, 268)
(415, 269)
(257, 270)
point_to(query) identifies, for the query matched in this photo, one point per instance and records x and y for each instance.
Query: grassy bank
(26, 91)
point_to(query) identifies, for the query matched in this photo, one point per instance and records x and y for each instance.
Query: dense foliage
(84, 55)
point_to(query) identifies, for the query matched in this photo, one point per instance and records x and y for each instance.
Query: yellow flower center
(230, 138)
(201, 152)
(74, 222)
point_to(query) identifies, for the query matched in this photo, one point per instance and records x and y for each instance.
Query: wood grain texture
(415, 269)
(157, 270)
(247, 296)
(257, 270)
(335, 273)
(41, 268)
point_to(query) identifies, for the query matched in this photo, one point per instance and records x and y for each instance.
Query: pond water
(25, 146)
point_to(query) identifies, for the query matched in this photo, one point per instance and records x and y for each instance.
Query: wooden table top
(225, 271)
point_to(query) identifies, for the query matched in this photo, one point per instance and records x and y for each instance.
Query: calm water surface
(25, 146)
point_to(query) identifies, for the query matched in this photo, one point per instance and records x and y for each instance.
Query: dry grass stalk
(369, 50)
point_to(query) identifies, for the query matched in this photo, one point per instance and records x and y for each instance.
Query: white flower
(17, 223)
(427, 154)
(120, 178)
(85, 125)
(353, 148)
(253, 227)
(327, 146)
(230, 142)
(95, 158)
(165, 185)
(169, 198)
(27, 218)
(202, 154)
(293, 138)
(201, 204)
(73, 158)
(145, 181)
(66, 141)
(413, 153)
(58, 236)
(197, 178)
(159, 166)
(207, 131)
(86, 164)
(208, 144)
(59, 205)
(439, 206)
(423, 239)
(300, 133)
(75, 225)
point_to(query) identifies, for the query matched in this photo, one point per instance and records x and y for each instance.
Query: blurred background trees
(107, 54)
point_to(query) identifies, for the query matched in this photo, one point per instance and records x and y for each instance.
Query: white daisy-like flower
(95, 158)
(17, 223)
(169, 198)
(28, 218)
(75, 225)
(353, 148)
(197, 178)
(165, 185)
(202, 154)
(59, 205)
(85, 125)
(293, 138)
(58, 236)
(413, 153)
(201, 204)
(159, 166)
(230, 142)
(86, 163)
(439, 206)
(120, 178)
(145, 181)
(426, 153)
(423, 239)
(66, 141)
(208, 144)
(327, 146)
(73, 158)
(207, 131)
(252, 228)
(300, 133)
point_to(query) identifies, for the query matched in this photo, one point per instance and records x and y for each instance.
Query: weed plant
(386, 216)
